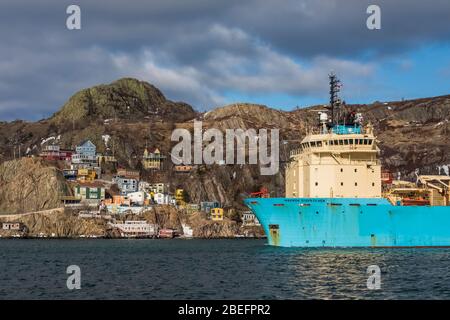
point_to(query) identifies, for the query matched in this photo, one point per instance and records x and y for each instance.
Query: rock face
(167, 217)
(30, 185)
(58, 223)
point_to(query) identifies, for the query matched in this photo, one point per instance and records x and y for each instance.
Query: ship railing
(329, 148)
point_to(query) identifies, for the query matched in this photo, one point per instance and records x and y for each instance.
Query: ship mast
(335, 101)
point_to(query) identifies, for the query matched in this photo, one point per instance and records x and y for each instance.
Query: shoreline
(129, 238)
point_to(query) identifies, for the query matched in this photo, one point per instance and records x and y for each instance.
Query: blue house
(85, 155)
(207, 206)
(86, 148)
(126, 185)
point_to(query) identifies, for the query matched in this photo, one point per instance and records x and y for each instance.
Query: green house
(89, 192)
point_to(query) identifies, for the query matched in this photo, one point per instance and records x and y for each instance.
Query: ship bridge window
(319, 143)
(361, 141)
(313, 143)
(341, 142)
(365, 141)
(346, 142)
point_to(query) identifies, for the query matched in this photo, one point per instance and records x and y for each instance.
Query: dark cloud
(197, 51)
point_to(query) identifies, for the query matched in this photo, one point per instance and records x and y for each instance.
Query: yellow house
(87, 175)
(217, 214)
(152, 159)
(179, 197)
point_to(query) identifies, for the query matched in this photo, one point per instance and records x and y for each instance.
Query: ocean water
(215, 269)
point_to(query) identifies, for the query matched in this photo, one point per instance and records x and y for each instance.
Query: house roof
(86, 142)
(94, 184)
(152, 150)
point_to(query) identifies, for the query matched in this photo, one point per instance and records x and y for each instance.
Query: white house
(161, 198)
(135, 228)
(137, 197)
(249, 219)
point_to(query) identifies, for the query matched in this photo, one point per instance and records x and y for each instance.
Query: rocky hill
(413, 135)
(125, 98)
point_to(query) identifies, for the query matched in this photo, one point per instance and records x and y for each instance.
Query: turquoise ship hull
(350, 222)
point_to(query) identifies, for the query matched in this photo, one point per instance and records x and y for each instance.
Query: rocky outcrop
(204, 228)
(125, 98)
(28, 185)
(59, 223)
(166, 217)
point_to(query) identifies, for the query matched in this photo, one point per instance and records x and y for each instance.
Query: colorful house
(126, 173)
(70, 174)
(152, 160)
(90, 192)
(179, 197)
(85, 155)
(161, 198)
(126, 185)
(101, 159)
(54, 152)
(117, 200)
(183, 168)
(158, 188)
(16, 226)
(87, 175)
(217, 214)
(249, 219)
(207, 206)
(137, 198)
(87, 148)
(191, 208)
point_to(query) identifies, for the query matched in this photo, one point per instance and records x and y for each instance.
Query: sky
(210, 53)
